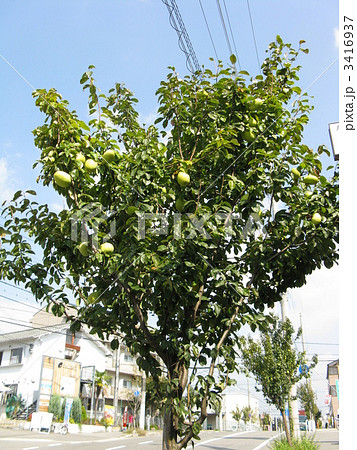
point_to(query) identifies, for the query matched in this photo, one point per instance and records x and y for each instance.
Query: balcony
(71, 351)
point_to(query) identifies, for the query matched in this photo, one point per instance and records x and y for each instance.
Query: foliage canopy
(190, 263)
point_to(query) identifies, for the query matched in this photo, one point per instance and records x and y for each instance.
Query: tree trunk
(169, 436)
(286, 427)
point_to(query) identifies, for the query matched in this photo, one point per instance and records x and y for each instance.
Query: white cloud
(336, 37)
(148, 119)
(6, 189)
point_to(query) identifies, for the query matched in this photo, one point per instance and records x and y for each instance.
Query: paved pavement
(16, 439)
(327, 438)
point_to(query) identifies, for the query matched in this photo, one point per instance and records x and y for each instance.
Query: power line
(230, 28)
(185, 45)
(225, 30)
(21, 303)
(209, 31)
(319, 343)
(16, 287)
(255, 42)
(46, 328)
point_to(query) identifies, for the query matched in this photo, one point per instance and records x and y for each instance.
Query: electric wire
(184, 41)
(20, 302)
(232, 35)
(16, 287)
(255, 41)
(209, 31)
(225, 30)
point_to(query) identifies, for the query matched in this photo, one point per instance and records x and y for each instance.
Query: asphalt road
(12, 439)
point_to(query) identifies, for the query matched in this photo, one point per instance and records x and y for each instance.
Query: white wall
(27, 375)
(90, 354)
(232, 400)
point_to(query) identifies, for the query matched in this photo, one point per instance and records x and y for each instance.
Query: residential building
(333, 382)
(231, 399)
(49, 346)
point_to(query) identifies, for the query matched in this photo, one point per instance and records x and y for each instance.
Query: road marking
(115, 448)
(30, 448)
(220, 438)
(55, 445)
(146, 442)
(267, 441)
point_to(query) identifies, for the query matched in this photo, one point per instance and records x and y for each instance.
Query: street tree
(101, 380)
(307, 398)
(274, 362)
(237, 415)
(247, 413)
(178, 233)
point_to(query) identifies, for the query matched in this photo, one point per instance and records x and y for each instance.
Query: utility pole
(250, 411)
(294, 409)
(116, 383)
(142, 405)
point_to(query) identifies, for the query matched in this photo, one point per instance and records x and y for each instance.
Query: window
(333, 391)
(333, 370)
(16, 356)
(128, 358)
(127, 384)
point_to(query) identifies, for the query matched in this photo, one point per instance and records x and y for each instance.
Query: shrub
(54, 406)
(76, 410)
(305, 443)
(84, 414)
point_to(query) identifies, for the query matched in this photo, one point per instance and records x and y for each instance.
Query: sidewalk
(328, 439)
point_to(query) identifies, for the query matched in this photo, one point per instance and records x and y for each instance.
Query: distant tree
(274, 362)
(155, 394)
(246, 414)
(266, 420)
(237, 415)
(307, 398)
(101, 380)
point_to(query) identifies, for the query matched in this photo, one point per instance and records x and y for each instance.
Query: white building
(22, 354)
(224, 420)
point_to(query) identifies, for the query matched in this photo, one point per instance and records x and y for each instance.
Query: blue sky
(50, 44)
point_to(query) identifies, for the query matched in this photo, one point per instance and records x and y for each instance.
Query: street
(12, 439)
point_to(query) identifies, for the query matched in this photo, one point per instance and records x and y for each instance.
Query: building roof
(31, 333)
(333, 363)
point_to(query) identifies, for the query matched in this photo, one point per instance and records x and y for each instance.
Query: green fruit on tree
(83, 248)
(311, 179)
(93, 297)
(90, 165)
(296, 174)
(256, 104)
(248, 135)
(131, 210)
(316, 219)
(308, 194)
(183, 179)
(180, 204)
(252, 122)
(80, 158)
(109, 155)
(107, 248)
(63, 179)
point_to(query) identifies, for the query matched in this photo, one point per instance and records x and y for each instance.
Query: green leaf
(233, 59)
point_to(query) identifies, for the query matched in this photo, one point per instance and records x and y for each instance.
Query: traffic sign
(303, 369)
